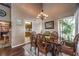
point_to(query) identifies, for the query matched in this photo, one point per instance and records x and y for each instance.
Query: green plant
(67, 29)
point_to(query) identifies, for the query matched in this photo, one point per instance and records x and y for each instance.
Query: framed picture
(49, 25)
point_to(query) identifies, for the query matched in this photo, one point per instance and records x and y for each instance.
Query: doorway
(28, 30)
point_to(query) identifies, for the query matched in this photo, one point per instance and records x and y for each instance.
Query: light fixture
(42, 15)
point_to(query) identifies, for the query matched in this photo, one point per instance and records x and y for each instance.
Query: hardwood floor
(21, 51)
(8, 51)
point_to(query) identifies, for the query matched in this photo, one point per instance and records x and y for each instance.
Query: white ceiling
(57, 10)
(30, 10)
(54, 10)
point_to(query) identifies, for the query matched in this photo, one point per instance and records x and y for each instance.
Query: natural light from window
(67, 28)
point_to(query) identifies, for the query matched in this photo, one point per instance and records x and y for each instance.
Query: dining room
(50, 33)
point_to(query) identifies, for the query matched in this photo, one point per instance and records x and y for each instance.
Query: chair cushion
(67, 50)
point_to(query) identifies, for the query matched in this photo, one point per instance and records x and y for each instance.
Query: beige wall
(77, 27)
(17, 30)
(77, 18)
(7, 10)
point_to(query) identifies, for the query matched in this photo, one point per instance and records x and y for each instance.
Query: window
(67, 28)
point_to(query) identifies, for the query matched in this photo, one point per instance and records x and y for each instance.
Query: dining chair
(54, 43)
(42, 44)
(33, 41)
(71, 50)
(54, 36)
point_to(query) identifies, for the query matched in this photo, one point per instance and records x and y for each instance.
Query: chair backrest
(33, 36)
(54, 36)
(76, 39)
(33, 33)
(40, 39)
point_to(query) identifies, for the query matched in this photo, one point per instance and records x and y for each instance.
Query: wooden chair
(41, 44)
(33, 41)
(54, 43)
(54, 36)
(71, 50)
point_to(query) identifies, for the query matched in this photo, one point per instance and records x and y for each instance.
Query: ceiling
(54, 10)
(57, 10)
(28, 9)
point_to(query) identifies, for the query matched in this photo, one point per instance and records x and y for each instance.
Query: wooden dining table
(53, 45)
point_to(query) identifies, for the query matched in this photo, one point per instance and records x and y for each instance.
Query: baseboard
(27, 42)
(18, 45)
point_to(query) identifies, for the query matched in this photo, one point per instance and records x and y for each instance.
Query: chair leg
(31, 48)
(45, 54)
(35, 50)
(38, 51)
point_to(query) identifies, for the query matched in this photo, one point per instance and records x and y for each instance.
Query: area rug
(32, 52)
